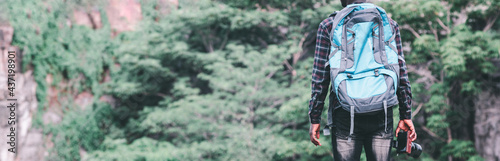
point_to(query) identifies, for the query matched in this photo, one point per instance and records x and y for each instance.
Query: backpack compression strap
(338, 17)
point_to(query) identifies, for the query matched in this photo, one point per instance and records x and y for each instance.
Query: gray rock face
(487, 120)
(487, 126)
(25, 105)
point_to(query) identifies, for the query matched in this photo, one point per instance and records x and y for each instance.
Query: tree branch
(491, 21)
(448, 131)
(434, 31)
(443, 26)
(422, 71)
(262, 42)
(432, 133)
(224, 41)
(290, 68)
(276, 103)
(408, 27)
(299, 54)
(92, 21)
(271, 74)
(206, 43)
(417, 110)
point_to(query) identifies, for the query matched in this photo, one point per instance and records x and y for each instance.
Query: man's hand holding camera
(407, 125)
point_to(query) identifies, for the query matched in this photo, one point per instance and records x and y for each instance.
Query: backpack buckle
(376, 73)
(349, 75)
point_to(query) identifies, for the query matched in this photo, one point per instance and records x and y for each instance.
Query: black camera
(403, 144)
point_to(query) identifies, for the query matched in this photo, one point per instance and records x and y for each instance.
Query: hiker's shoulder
(393, 22)
(327, 22)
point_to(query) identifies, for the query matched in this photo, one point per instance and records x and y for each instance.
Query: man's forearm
(404, 90)
(320, 74)
(404, 105)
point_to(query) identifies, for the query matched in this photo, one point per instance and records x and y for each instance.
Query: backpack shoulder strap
(393, 36)
(339, 16)
(333, 14)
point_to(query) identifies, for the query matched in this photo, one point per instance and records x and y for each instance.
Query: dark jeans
(369, 132)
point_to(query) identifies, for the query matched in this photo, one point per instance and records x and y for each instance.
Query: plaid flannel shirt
(321, 75)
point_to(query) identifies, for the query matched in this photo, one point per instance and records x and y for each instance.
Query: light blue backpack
(363, 61)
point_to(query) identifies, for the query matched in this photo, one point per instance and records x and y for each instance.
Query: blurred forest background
(230, 79)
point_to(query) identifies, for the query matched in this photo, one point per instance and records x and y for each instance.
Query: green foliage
(464, 50)
(423, 49)
(52, 47)
(140, 149)
(459, 149)
(79, 129)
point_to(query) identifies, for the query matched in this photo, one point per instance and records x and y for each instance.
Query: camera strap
(351, 130)
(385, 112)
